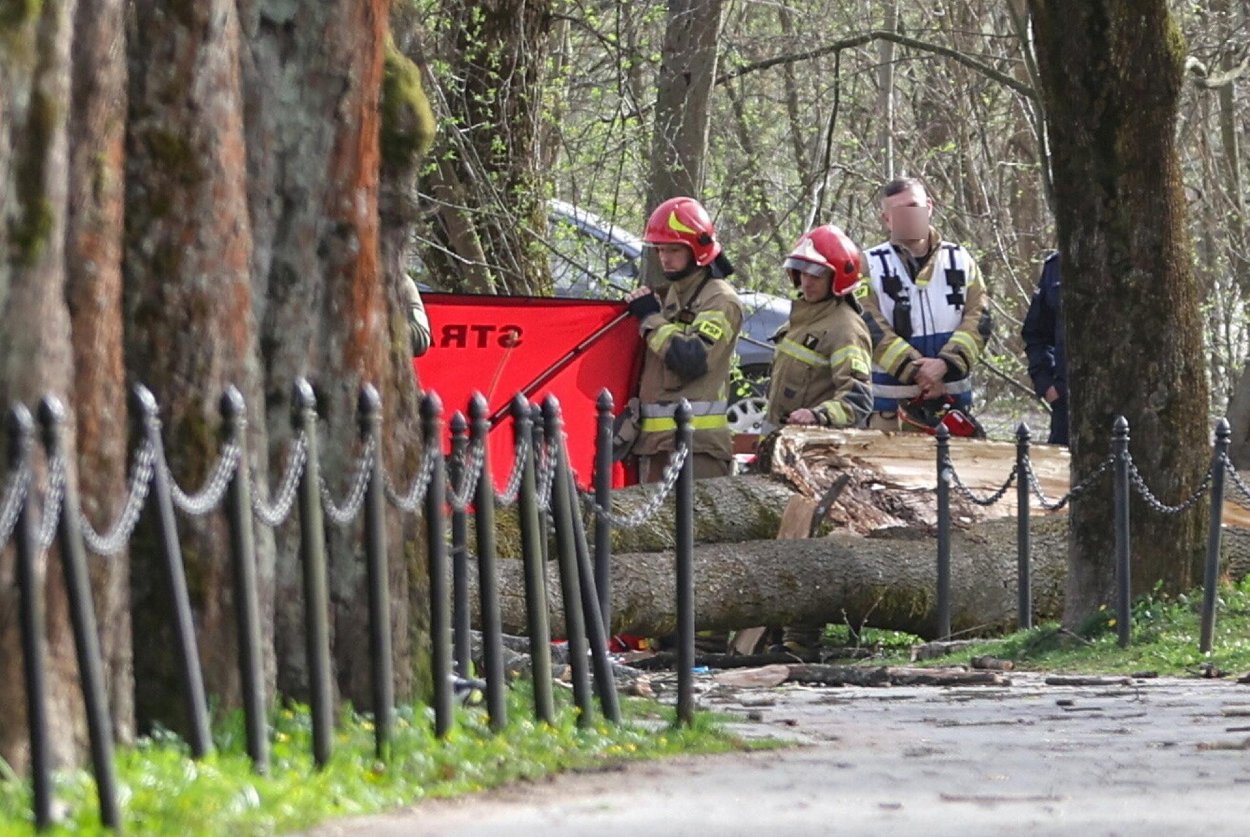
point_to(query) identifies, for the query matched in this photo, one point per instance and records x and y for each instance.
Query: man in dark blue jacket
(1043, 334)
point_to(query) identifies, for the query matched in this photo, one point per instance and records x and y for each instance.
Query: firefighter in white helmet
(821, 372)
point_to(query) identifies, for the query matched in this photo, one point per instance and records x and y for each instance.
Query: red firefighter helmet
(684, 221)
(826, 252)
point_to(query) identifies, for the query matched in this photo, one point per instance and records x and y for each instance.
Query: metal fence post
(487, 572)
(943, 532)
(1211, 575)
(440, 616)
(603, 497)
(684, 497)
(596, 634)
(187, 652)
(1024, 581)
(535, 566)
(313, 557)
(566, 556)
(1123, 577)
(460, 548)
(369, 416)
(82, 616)
(31, 618)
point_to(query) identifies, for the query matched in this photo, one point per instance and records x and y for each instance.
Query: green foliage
(164, 791)
(1165, 639)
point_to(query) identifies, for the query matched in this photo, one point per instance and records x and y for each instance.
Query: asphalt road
(1163, 756)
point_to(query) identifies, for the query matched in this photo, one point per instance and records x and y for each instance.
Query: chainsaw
(931, 413)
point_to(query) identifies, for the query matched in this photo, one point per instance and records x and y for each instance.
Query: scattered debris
(988, 663)
(1066, 680)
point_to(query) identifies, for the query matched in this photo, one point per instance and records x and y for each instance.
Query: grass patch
(163, 791)
(1164, 640)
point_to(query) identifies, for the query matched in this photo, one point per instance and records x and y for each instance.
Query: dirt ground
(1154, 756)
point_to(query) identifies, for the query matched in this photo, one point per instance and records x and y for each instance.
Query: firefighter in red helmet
(690, 330)
(822, 370)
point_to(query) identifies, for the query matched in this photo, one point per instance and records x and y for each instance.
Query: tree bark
(489, 169)
(188, 318)
(1111, 77)
(93, 291)
(322, 303)
(35, 352)
(683, 105)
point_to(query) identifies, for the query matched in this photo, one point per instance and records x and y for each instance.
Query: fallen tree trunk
(883, 582)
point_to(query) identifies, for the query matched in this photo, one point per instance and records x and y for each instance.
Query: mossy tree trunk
(1111, 73)
(189, 321)
(314, 162)
(35, 354)
(489, 171)
(93, 290)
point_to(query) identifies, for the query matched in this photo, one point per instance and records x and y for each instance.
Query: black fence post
(440, 604)
(313, 557)
(82, 617)
(596, 634)
(943, 532)
(1123, 570)
(566, 556)
(460, 548)
(186, 650)
(1211, 574)
(684, 497)
(603, 497)
(535, 566)
(31, 617)
(487, 571)
(369, 416)
(246, 595)
(1024, 581)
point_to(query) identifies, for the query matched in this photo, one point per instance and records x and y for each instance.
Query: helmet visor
(820, 271)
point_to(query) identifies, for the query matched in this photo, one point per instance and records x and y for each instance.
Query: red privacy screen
(501, 345)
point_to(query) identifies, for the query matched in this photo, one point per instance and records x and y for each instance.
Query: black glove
(644, 306)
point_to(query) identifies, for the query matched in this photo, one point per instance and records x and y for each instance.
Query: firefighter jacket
(823, 363)
(689, 349)
(942, 311)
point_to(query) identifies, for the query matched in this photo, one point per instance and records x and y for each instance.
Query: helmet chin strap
(678, 275)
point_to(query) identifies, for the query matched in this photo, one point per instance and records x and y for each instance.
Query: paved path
(1156, 757)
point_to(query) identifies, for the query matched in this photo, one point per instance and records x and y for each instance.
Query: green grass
(1164, 640)
(163, 791)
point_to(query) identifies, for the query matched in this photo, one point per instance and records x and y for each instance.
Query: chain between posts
(987, 500)
(509, 494)
(462, 499)
(208, 497)
(1139, 485)
(665, 487)
(413, 498)
(1237, 481)
(15, 490)
(273, 515)
(118, 535)
(1076, 491)
(345, 514)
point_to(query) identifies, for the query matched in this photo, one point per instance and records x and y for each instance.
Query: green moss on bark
(407, 120)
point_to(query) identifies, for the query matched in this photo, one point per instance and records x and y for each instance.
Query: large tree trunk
(323, 300)
(93, 291)
(35, 354)
(683, 105)
(1111, 76)
(189, 325)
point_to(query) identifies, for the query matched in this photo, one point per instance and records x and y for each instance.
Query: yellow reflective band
(855, 356)
(801, 353)
(661, 335)
(678, 226)
(862, 290)
(967, 342)
(891, 356)
(660, 425)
